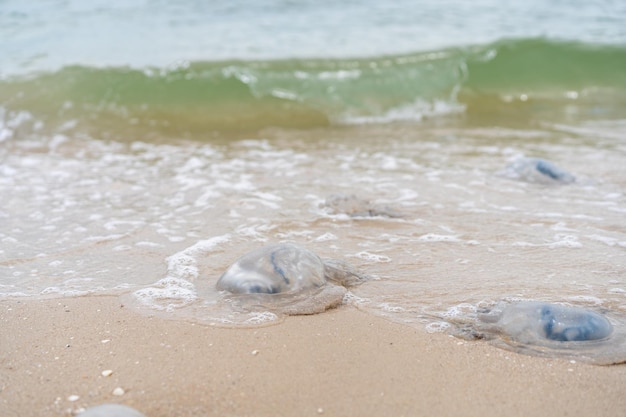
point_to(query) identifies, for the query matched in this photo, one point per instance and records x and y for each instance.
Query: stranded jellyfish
(537, 170)
(552, 330)
(530, 322)
(110, 410)
(354, 206)
(289, 278)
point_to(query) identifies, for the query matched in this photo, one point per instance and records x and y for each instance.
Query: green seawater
(499, 83)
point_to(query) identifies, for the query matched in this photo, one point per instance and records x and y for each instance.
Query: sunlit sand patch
(287, 279)
(537, 170)
(552, 330)
(110, 410)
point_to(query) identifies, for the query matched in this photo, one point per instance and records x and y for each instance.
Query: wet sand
(344, 362)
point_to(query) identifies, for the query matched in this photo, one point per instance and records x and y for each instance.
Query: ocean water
(145, 146)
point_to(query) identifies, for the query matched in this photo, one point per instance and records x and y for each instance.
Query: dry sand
(340, 363)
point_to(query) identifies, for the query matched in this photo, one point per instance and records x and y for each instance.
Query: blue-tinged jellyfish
(289, 279)
(548, 329)
(534, 322)
(537, 170)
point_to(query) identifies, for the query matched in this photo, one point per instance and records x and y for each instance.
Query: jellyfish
(289, 278)
(537, 170)
(354, 206)
(553, 330)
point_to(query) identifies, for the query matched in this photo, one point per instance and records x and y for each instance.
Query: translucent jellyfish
(537, 170)
(354, 206)
(110, 410)
(546, 329)
(288, 279)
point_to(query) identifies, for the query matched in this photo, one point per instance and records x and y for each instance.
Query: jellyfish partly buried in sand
(546, 329)
(537, 170)
(353, 206)
(289, 279)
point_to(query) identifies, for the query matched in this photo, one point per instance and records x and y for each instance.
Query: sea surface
(146, 145)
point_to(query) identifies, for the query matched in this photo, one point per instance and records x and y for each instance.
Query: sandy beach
(466, 158)
(340, 363)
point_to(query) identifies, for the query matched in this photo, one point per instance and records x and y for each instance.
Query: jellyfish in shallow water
(354, 206)
(290, 279)
(537, 170)
(547, 329)
(534, 321)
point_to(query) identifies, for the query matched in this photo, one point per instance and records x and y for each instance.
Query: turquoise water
(145, 146)
(504, 82)
(184, 69)
(189, 67)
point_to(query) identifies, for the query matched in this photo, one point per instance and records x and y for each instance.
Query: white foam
(284, 94)
(460, 310)
(433, 237)
(262, 317)
(10, 121)
(339, 75)
(437, 327)
(604, 239)
(561, 227)
(176, 290)
(326, 237)
(566, 241)
(167, 294)
(149, 244)
(352, 299)
(416, 111)
(368, 256)
(183, 264)
(388, 307)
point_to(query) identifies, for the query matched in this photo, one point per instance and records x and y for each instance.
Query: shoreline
(342, 362)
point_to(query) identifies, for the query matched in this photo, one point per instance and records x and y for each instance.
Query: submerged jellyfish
(301, 281)
(552, 330)
(537, 170)
(354, 206)
(110, 410)
(534, 322)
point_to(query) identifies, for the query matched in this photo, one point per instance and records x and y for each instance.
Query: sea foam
(177, 290)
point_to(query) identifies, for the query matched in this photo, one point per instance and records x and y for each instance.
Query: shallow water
(94, 216)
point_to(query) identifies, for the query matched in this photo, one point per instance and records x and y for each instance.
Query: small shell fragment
(119, 391)
(107, 372)
(73, 398)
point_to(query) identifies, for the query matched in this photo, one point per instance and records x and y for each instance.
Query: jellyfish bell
(536, 322)
(537, 170)
(353, 206)
(288, 279)
(552, 330)
(274, 269)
